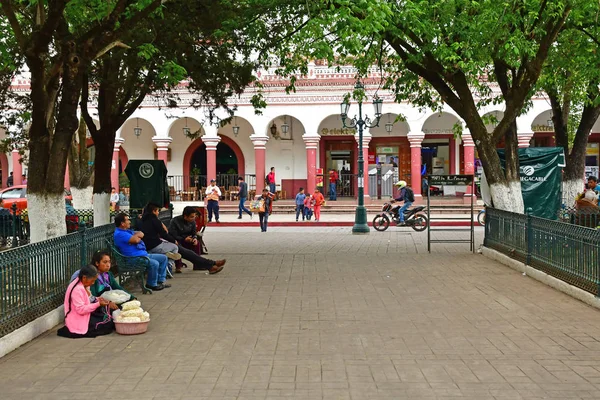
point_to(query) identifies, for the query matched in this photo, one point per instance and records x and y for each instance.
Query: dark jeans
(242, 208)
(263, 218)
(332, 192)
(213, 207)
(272, 188)
(299, 210)
(194, 258)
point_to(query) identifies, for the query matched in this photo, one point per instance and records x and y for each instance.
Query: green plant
(231, 171)
(123, 180)
(195, 171)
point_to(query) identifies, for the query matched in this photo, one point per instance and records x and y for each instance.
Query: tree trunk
(105, 139)
(79, 156)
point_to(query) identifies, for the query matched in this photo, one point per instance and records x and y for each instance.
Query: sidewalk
(318, 313)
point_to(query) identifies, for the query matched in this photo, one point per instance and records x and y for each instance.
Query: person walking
(265, 209)
(271, 181)
(318, 201)
(242, 196)
(300, 197)
(333, 178)
(10, 180)
(213, 193)
(308, 207)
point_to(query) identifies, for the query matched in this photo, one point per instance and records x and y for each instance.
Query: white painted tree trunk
(508, 197)
(101, 209)
(82, 198)
(46, 216)
(570, 189)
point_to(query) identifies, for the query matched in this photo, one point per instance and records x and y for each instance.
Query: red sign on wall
(371, 158)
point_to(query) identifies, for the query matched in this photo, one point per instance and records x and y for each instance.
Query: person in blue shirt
(300, 197)
(130, 244)
(404, 196)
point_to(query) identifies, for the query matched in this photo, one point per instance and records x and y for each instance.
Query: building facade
(302, 135)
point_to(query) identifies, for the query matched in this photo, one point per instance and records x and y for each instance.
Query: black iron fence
(566, 251)
(192, 187)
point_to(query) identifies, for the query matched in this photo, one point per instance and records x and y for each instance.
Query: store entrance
(340, 155)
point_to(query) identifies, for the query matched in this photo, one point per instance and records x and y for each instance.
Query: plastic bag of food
(130, 305)
(116, 296)
(137, 312)
(130, 319)
(145, 316)
(116, 314)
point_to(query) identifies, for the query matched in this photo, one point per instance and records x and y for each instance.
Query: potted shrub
(124, 183)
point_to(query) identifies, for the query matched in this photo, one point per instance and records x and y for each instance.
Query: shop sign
(338, 132)
(438, 131)
(450, 180)
(387, 150)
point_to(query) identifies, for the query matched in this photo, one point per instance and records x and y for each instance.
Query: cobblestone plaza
(317, 313)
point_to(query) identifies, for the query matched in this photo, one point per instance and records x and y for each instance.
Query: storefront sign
(387, 150)
(438, 131)
(338, 132)
(449, 180)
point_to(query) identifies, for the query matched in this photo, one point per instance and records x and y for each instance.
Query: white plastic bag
(130, 305)
(116, 296)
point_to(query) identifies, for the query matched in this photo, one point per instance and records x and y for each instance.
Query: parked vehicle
(18, 195)
(413, 217)
(481, 217)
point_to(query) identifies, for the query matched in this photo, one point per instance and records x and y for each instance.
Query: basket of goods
(257, 205)
(132, 319)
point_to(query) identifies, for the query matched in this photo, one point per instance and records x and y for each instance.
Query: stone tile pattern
(321, 314)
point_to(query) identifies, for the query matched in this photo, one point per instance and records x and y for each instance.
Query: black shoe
(218, 222)
(156, 288)
(240, 217)
(164, 285)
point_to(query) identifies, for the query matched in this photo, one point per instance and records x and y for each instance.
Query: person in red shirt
(333, 178)
(318, 202)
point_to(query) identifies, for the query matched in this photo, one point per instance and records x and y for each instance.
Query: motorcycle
(413, 218)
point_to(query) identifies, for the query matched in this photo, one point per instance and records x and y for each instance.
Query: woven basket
(131, 328)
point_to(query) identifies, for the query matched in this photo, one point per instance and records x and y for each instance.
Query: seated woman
(106, 280)
(84, 318)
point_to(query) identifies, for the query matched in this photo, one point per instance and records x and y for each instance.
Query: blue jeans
(213, 207)
(405, 207)
(332, 192)
(272, 188)
(157, 272)
(263, 218)
(242, 208)
(299, 210)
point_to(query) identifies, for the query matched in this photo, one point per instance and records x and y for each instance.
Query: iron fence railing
(191, 188)
(15, 229)
(33, 278)
(582, 216)
(564, 250)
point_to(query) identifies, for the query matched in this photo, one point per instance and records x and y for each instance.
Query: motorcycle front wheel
(481, 217)
(381, 222)
(420, 223)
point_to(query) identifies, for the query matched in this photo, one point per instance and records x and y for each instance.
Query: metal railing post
(83, 248)
(529, 231)
(13, 208)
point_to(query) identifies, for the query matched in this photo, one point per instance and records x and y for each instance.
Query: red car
(18, 195)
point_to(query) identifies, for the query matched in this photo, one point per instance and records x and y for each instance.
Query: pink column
(162, 148)
(415, 163)
(211, 143)
(67, 182)
(17, 168)
(114, 168)
(312, 143)
(469, 160)
(524, 139)
(260, 150)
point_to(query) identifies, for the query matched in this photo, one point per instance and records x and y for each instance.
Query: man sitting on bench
(130, 244)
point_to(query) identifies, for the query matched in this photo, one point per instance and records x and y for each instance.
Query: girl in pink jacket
(83, 317)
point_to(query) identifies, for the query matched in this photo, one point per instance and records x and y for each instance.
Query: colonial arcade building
(302, 136)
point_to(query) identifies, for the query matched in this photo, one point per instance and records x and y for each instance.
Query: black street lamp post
(360, 217)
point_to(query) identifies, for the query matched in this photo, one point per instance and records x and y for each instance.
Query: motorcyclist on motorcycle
(404, 194)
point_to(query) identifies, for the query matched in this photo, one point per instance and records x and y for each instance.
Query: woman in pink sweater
(85, 315)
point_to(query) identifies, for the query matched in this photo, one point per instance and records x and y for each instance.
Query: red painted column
(114, 168)
(67, 182)
(17, 168)
(162, 148)
(211, 143)
(415, 162)
(260, 150)
(312, 143)
(469, 161)
(524, 139)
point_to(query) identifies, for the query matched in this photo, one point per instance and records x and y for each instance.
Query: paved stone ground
(321, 314)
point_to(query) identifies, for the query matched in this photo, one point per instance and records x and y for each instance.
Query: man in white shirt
(213, 193)
(114, 198)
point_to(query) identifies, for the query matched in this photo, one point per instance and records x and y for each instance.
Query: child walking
(308, 207)
(300, 197)
(318, 202)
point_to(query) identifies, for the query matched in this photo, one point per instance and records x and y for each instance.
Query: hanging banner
(540, 169)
